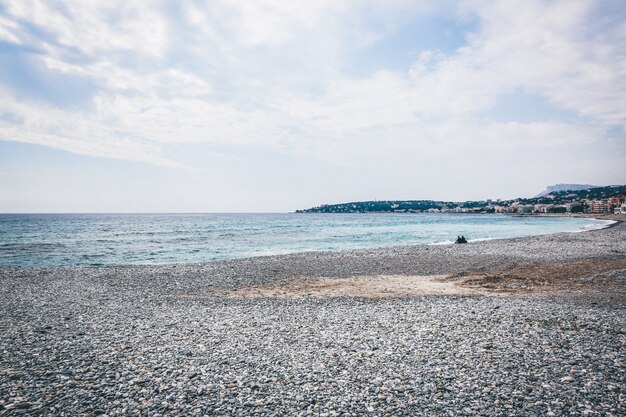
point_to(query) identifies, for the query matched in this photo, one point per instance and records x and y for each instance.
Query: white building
(525, 209)
(543, 208)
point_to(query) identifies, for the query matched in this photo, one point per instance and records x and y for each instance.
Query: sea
(65, 240)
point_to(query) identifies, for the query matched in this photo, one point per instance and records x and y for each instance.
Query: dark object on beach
(461, 239)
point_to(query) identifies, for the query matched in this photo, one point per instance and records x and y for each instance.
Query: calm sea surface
(119, 239)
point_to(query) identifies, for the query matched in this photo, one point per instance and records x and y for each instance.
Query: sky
(272, 105)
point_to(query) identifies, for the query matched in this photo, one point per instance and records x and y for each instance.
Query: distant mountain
(564, 187)
(593, 193)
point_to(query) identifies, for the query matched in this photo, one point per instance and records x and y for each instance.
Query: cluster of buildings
(613, 205)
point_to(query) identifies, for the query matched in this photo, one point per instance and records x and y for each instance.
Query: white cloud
(270, 73)
(75, 132)
(267, 22)
(554, 49)
(91, 27)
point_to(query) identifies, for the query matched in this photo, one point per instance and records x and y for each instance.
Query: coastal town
(597, 200)
(613, 205)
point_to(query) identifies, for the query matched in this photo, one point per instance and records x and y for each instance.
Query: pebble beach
(172, 340)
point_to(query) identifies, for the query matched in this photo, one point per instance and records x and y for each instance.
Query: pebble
(151, 340)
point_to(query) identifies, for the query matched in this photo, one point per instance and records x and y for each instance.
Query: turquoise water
(120, 239)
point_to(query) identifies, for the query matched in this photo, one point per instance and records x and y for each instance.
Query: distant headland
(561, 198)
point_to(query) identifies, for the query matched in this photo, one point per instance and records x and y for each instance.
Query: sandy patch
(545, 276)
(583, 274)
(359, 286)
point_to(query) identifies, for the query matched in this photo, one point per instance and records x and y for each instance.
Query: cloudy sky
(272, 105)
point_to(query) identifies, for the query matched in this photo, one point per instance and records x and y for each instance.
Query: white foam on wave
(599, 224)
(448, 242)
(483, 239)
(480, 239)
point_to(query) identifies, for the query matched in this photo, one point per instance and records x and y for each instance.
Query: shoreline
(615, 219)
(478, 258)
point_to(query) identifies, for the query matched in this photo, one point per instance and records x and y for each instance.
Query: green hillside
(400, 206)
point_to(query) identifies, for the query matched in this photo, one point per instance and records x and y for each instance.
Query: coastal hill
(564, 187)
(557, 197)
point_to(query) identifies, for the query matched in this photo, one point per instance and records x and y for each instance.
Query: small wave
(451, 242)
(447, 242)
(483, 239)
(595, 226)
(273, 252)
(31, 247)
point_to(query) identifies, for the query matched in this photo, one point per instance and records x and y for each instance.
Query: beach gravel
(149, 341)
